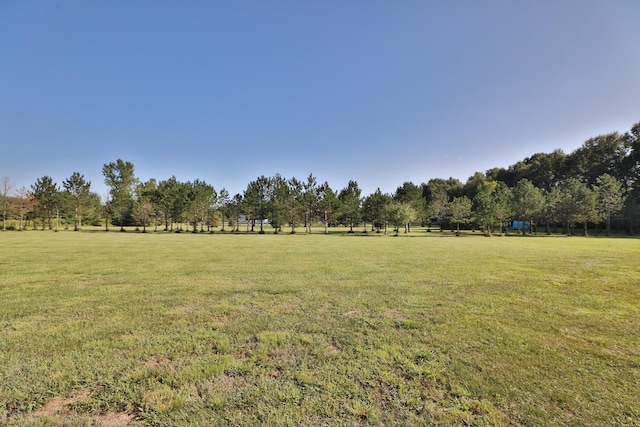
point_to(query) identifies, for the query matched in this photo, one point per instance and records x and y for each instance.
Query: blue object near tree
(521, 225)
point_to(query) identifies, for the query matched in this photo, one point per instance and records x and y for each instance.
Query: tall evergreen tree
(45, 192)
(256, 200)
(236, 208)
(78, 189)
(200, 199)
(377, 204)
(120, 177)
(350, 204)
(297, 202)
(144, 207)
(328, 204)
(223, 205)
(310, 201)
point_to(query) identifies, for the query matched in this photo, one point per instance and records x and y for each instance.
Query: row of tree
(597, 184)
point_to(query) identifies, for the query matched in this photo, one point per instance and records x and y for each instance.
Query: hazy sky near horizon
(376, 91)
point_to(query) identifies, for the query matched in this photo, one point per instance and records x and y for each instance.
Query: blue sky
(376, 91)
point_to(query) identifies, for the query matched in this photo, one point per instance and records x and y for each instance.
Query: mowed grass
(424, 329)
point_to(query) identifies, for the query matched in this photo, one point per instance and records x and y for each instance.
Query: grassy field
(424, 329)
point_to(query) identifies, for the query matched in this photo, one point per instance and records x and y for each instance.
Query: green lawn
(199, 329)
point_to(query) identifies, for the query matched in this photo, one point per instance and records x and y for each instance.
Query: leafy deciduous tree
(527, 200)
(400, 214)
(25, 203)
(503, 211)
(411, 194)
(459, 211)
(484, 205)
(6, 187)
(610, 198)
(573, 203)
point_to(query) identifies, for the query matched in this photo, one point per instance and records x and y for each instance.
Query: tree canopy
(598, 183)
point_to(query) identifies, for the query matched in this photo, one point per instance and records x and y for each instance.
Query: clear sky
(381, 92)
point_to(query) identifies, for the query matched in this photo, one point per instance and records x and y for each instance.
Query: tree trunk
(293, 219)
(326, 222)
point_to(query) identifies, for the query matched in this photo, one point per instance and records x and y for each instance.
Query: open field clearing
(424, 329)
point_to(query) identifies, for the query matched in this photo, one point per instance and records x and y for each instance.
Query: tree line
(597, 185)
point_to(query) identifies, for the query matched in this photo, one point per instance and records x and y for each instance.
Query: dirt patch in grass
(58, 409)
(119, 419)
(393, 315)
(155, 362)
(58, 405)
(351, 313)
(331, 348)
